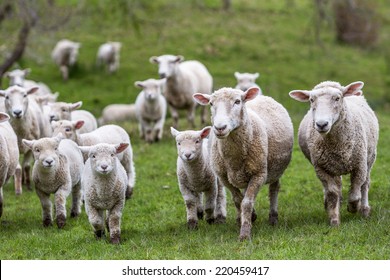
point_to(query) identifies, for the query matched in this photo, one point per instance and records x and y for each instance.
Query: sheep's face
(66, 128)
(167, 64)
(151, 88)
(17, 76)
(189, 143)
(45, 151)
(16, 100)
(245, 80)
(62, 110)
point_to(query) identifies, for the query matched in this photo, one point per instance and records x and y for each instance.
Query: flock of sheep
(248, 145)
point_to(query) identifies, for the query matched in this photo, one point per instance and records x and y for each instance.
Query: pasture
(274, 38)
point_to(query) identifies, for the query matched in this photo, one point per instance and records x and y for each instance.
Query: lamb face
(16, 100)
(166, 64)
(45, 151)
(189, 143)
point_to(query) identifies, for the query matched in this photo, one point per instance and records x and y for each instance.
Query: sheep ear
(300, 95)
(78, 124)
(7, 74)
(27, 71)
(28, 143)
(139, 84)
(2, 93)
(250, 94)
(202, 99)
(256, 75)
(205, 132)
(3, 117)
(32, 90)
(179, 58)
(153, 60)
(59, 137)
(353, 89)
(76, 105)
(85, 149)
(174, 132)
(237, 75)
(121, 147)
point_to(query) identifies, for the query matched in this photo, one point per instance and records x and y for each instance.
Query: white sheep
(110, 134)
(196, 177)
(67, 111)
(184, 78)
(339, 136)
(27, 121)
(251, 146)
(109, 54)
(65, 55)
(57, 170)
(104, 182)
(115, 113)
(9, 158)
(151, 109)
(246, 81)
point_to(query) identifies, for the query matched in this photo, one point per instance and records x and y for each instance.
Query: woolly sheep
(104, 182)
(9, 158)
(196, 176)
(57, 170)
(114, 113)
(251, 146)
(65, 55)
(109, 54)
(110, 134)
(184, 78)
(67, 111)
(151, 109)
(246, 81)
(339, 136)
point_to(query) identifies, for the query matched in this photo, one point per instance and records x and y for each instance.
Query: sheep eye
(337, 98)
(37, 150)
(237, 102)
(7, 97)
(112, 155)
(197, 141)
(311, 100)
(67, 129)
(211, 104)
(24, 95)
(93, 156)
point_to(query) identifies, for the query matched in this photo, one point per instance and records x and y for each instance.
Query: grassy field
(269, 37)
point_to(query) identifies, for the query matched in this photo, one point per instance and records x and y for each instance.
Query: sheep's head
(16, 100)
(17, 76)
(67, 128)
(245, 80)
(326, 102)
(189, 142)
(62, 110)
(166, 64)
(152, 88)
(227, 108)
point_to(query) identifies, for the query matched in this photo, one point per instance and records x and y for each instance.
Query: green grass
(257, 36)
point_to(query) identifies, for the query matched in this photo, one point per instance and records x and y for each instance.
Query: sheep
(183, 80)
(104, 182)
(109, 54)
(65, 55)
(246, 80)
(151, 109)
(67, 111)
(339, 135)
(9, 158)
(57, 170)
(27, 121)
(111, 134)
(251, 145)
(114, 113)
(196, 176)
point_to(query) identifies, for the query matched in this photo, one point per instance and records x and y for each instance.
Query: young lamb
(67, 111)
(109, 54)
(26, 119)
(104, 182)
(65, 55)
(251, 146)
(196, 176)
(183, 80)
(57, 170)
(339, 136)
(151, 109)
(110, 134)
(9, 158)
(246, 81)
(114, 113)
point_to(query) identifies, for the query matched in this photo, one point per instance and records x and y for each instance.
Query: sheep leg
(220, 208)
(158, 128)
(60, 201)
(18, 180)
(76, 201)
(175, 116)
(365, 208)
(114, 222)
(46, 208)
(95, 218)
(236, 195)
(210, 203)
(273, 199)
(199, 206)
(191, 115)
(128, 164)
(141, 130)
(26, 170)
(1, 200)
(191, 200)
(203, 114)
(358, 179)
(65, 72)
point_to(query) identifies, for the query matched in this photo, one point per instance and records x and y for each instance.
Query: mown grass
(266, 37)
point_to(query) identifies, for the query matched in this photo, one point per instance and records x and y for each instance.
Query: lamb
(67, 111)
(104, 183)
(251, 146)
(246, 80)
(110, 134)
(65, 55)
(114, 113)
(339, 135)
(183, 80)
(196, 176)
(109, 54)
(9, 158)
(151, 109)
(57, 170)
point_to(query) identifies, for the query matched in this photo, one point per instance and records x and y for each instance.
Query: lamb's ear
(27, 71)
(256, 75)
(250, 94)
(353, 89)
(74, 106)
(2, 93)
(78, 124)
(300, 95)
(237, 75)
(59, 137)
(7, 74)
(202, 99)
(32, 90)
(121, 147)
(179, 58)
(205, 132)
(153, 60)
(85, 149)
(174, 132)
(139, 84)
(28, 143)
(3, 117)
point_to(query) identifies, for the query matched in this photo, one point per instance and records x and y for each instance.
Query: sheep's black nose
(162, 75)
(322, 124)
(17, 113)
(221, 128)
(104, 166)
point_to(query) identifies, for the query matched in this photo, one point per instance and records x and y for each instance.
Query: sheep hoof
(47, 222)
(273, 219)
(192, 224)
(220, 219)
(245, 232)
(334, 222)
(365, 211)
(61, 221)
(115, 239)
(200, 215)
(353, 206)
(210, 220)
(254, 216)
(99, 234)
(74, 214)
(129, 193)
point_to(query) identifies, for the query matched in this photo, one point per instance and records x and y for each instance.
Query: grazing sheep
(57, 170)
(9, 158)
(67, 111)
(183, 80)
(339, 136)
(104, 182)
(246, 81)
(109, 54)
(110, 134)
(251, 146)
(117, 113)
(65, 55)
(151, 109)
(196, 176)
